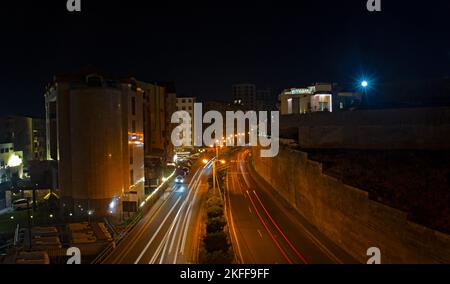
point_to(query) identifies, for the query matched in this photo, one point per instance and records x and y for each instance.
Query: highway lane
(251, 242)
(266, 230)
(169, 232)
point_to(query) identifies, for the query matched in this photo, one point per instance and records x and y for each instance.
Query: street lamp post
(365, 86)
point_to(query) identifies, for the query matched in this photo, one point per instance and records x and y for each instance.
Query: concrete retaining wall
(347, 216)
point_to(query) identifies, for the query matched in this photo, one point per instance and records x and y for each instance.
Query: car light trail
(279, 230)
(268, 231)
(157, 231)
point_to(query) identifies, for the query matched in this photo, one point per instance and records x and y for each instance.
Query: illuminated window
(289, 101)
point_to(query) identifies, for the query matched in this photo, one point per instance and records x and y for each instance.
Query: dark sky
(206, 46)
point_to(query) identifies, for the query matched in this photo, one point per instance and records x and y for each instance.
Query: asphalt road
(266, 230)
(169, 232)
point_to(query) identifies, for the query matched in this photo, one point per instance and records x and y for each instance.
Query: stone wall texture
(346, 215)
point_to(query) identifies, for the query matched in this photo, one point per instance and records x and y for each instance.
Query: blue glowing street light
(364, 84)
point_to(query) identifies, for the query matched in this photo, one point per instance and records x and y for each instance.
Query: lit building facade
(321, 97)
(95, 132)
(159, 103)
(27, 134)
(11, 163)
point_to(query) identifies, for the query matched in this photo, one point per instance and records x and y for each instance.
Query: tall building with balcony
(159, 103)
(95, 131)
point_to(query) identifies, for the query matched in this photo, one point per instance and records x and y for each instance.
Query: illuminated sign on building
(302, 91)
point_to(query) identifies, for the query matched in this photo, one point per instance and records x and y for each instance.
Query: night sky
(206, 46)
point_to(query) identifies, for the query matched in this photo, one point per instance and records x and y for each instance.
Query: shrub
(219, 257)
(216, 242)
(214, 225)
(214, 211)
(214, 201)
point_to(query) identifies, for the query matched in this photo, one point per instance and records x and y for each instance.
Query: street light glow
(14, 161)
(364, 84)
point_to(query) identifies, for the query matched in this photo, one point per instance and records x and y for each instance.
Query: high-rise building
(187, 104)
(245, 94)
(159, 105)
(264, 100)
(95, 132)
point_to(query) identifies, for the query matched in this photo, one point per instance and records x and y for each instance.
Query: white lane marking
(195, 181)
(157, 231)
(186, 222)
(250, 210)
(260, 234)
(182, 223)
(174, 235)
(168, 235)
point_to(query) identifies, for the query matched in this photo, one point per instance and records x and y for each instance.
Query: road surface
(266, 230)
(169, 232)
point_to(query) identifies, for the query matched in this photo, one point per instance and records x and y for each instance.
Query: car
(180, 172)
(179, 179)
(20, 204)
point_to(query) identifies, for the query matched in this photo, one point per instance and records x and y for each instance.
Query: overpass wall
(346, 215)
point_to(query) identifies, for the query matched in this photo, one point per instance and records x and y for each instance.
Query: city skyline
(233, 133)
